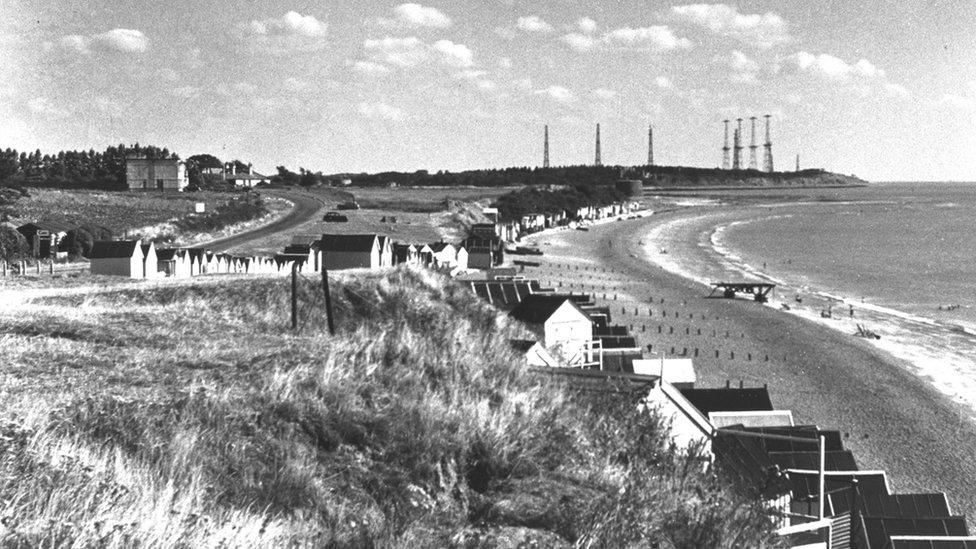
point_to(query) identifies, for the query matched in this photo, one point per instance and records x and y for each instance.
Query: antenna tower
(768, 153)
(598, 162)
(753, 164)
(797, 162)
(725, 148)
(737, 146)
(545, 149)
(650, 145)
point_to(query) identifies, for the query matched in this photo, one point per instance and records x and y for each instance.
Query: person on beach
(852, 310)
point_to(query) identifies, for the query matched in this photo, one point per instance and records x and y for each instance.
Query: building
(350, 251)
(688, 426)
(247, 180)
(117, 258)
(445, 255)
(174, 262)
(386, 250)
(564, 328)
(535, 354)
(405, 254)
(679, 372)
(150, 267)
(44, 237)
(161, 174)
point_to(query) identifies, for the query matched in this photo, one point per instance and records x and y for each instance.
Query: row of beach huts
(819, 495)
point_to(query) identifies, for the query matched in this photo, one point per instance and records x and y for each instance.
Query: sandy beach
(890, 416)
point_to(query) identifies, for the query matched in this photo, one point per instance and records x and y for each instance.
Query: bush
(13, 245)
(237, 210)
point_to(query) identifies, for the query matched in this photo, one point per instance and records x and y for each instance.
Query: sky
(885, 90)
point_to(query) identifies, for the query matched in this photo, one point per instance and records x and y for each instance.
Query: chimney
(740, 383)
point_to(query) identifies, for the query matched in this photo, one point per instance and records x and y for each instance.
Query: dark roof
(145, 249)
(741, 461)
(522, 345)
(348, 242)
(729, 399)
(303, 240)
(610, 330)
(298, 249)
(197, 253)
(537, 308)
(806, 485)
(438, 246)
(167, 254)
(934, 543)
(893, 505)
(46, 225)
(112, 249)
(832, 440)
(833, 461)
(878, 530)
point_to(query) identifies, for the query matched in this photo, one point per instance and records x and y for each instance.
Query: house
(309, 247)
(445, 255)
(484, 252)
(425, 254)
(535, 354)
(350, 251)
(405, 254)
(44, 237)
(162, 174)
(150, 267)
(688, 426)
(564, 328)
(462, 259)
(247, 180)
(679, 372)
(617, 353)
(117, 258)
(174, 262)
(386, 250)
(198, 260)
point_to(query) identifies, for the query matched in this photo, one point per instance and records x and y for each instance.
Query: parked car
(347, 206)
(334, 217)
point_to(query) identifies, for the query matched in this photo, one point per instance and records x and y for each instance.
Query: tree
(13, 245)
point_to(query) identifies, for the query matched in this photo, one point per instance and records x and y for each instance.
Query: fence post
(51, 266)
(294, 296)
(328, 299)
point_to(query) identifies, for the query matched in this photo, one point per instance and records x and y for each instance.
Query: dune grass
(159, 415)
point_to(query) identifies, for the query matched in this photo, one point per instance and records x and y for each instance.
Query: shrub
(13, 245)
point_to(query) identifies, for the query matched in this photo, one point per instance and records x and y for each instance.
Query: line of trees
(512, 206)
(73, 169)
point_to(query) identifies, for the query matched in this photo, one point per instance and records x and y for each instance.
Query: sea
(896, 259)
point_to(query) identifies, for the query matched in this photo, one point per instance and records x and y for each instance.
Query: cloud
(380, 111)
(586, 25)
(740, 62)
(534, 24)
(603, 93)
(558, 94)
(758, 30)
(412, 51)
(120, 40)
(289, 24)
(655, 38)
(486, 85)
(185, 92)
(457, 55)
(663, 82)
(833, 68)
(416, 16)
(897, 90)
(370, 68)
(44, 107)
(505, 62)
(579, 42)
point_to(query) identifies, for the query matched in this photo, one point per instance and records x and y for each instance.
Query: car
(334, 217)
(347, 206)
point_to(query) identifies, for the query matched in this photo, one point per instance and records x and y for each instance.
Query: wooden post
(51, 266)
(328, 298)
(294, 296)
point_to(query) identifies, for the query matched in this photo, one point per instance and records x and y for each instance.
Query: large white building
(159, 174)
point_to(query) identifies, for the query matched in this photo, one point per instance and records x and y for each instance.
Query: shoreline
(891, 418)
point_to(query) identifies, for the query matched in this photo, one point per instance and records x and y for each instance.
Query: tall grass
(191, 416)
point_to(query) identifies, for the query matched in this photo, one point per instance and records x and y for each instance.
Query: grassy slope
(186, 413)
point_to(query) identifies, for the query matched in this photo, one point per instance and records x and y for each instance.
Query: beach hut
(445, 255)
(117, 258)
(679, 372)
(350, 251)
(386, 250)
(150, 266)
(405, 254)
(563, 327)
(535, 353)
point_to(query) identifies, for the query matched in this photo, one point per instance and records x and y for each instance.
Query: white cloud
(533, 23)
(656, 38)
(897, 90)
(586, 25)
(457, 55)
(185, 92)
(833, 68)
(122, 40)
(380, 111)
(759, 30)
(603, 93)
(412, 51)
(370, 68)
(505, 62)
(486, 85)
(403, 52)
(663, 82)
(579, 42)
(558, 94)
(505, 32)
(43, 106)
(289, 24)
(415, 16)
(741, 62)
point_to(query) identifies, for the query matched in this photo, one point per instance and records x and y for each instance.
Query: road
(307, 207)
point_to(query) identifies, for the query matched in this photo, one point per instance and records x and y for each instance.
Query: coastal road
(306, 207)
(889, 417)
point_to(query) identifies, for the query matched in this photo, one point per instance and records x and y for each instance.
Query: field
(118, 211)
(186, 413)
